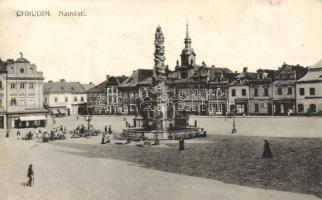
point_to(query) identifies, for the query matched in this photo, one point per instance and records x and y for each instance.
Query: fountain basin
(175, 134)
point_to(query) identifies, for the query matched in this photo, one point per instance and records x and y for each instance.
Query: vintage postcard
(162, 100)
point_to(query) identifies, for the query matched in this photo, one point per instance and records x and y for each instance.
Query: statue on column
(160, 69)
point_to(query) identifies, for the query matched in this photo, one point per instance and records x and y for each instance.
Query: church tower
(188, 56)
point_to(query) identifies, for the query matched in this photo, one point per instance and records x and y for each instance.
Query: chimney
(91, 83)
(212, 66)
(50, 81)
(236, 72)
(245, 69)
(107, 76)
(62, 80)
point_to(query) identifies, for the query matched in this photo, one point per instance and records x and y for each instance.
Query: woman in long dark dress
(109, 129)
(267, 153)
(30, 175)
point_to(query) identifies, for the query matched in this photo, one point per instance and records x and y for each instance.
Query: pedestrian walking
(18, 135)
(7, 134)
(105, 129)
(103, 139)
(181, 144)
(30, 175)
(267, 153)
(109, 129)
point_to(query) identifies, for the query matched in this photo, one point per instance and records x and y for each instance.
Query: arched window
(312, 108)
(300, 108)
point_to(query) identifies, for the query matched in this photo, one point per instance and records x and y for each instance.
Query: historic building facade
(239, 94)
(134, 87)
(260, 93)
(284, 97)
(63, 98)
(203, 88)
(103, 98)
(23, 101)
(309, 91)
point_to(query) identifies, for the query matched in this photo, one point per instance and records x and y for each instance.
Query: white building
(64, 98)
(21, 95)
(309, 91)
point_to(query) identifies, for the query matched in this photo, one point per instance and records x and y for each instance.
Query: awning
(62, 111)
(54, 111)
(32, 118)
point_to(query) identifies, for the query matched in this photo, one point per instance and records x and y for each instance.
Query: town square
(161, 100)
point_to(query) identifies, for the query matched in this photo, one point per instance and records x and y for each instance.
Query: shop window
(1, 122)
(256, 107)
(300, 108)
(312, 108)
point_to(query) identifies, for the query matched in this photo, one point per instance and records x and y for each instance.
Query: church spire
(187, 30)
(188, 54)
(187, 40)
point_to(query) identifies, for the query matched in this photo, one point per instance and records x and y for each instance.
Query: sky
(117, 37)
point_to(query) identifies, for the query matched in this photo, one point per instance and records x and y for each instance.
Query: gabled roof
(139, 76)
(63, 87)
(88, 86)
(314, 74)
(317, 65)
(112, 80)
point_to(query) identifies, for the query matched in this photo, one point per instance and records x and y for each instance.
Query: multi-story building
(239, 92)
(103, 98)
(135, 86)
(3, 95)
(260, 93)
(219, 79)
(284, 88)
(204, 89)
(309, 91)
(64, 98)
(24, 94)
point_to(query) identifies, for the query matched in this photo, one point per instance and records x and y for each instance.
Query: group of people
(58, 133)
(106, 135)
(81, 131)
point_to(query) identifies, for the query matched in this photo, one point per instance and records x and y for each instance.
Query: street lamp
(234, 130)
(88, 118)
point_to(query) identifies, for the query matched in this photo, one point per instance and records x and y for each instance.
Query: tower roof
(187, 41)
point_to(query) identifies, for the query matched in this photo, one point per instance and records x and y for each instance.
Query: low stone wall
(190, 132)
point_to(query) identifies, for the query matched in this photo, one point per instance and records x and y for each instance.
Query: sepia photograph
(161, 100)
